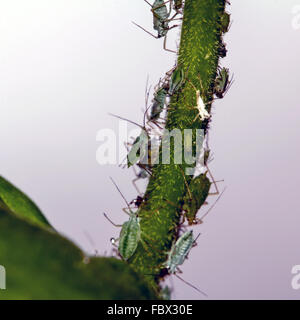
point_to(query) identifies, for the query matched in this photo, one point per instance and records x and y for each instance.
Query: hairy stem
(198, 56)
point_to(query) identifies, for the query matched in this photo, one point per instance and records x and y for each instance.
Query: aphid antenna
(125, 119)
(120, 192)
(231, 81)
(147, 91)
(189, 284)
(199, 234)
(148, 3)
(212, 206)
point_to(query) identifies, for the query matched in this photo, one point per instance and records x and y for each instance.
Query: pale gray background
(66, 63)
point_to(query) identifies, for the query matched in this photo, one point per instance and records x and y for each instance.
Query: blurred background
(65, 64)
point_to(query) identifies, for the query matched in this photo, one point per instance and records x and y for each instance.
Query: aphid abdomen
(176, 81)
(179, 251)
(222, 83)
(158, 104)
(129, 237)
(138, 150)
(183, 246)
(160, 10)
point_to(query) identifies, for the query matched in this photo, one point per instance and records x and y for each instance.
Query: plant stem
(198, 56)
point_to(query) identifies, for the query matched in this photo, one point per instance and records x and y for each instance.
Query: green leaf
(41, 264)
(17, 202)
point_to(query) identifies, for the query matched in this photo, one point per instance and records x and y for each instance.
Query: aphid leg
(151, 34)
(214, 183)
(126, 211)
(189, 284)
(173, 18)
(186, 184)
(165, 41)
(230, 83)
(135, 185)
(144, 167)
(113, 241)
(116, 225)
(156, 123)
(159, 6)
(207, 212)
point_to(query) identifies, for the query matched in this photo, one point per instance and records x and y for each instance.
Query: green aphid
(139, 149)
(141, 145)
(158, 103)
(195, 197)
(130, 234)
(178, 254)
(177, 80)
(179, 251)
(160, 18)
(225, 22)
(222, 83)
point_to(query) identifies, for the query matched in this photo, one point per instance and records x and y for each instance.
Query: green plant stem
(198, 56)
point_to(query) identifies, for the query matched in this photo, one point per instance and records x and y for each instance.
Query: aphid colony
(141, 153)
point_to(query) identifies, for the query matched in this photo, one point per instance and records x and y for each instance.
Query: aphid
(179, 251)
(141, 145)
(202, 112)
(158, 104)
(201, 107)
(130, 234)
(222, 83)
(177, 80)
(161, 20)
(225, 22)
(222, 51)
(198, 191)
(178, 4)
(139, 149)
(177, 255)
(196, 198)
